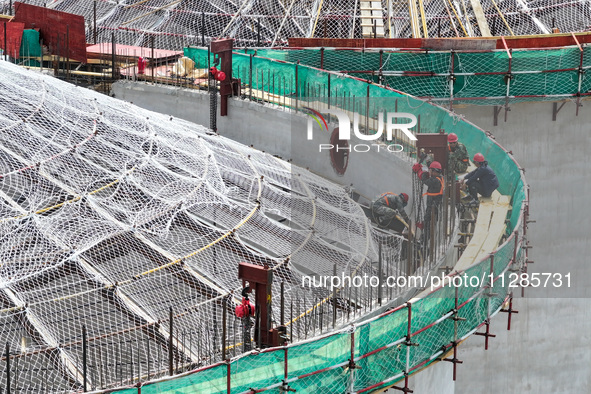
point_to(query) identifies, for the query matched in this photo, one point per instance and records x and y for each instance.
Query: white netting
(111, 215)
(175, 24)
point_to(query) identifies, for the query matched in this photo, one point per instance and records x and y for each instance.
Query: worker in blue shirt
(482, 180)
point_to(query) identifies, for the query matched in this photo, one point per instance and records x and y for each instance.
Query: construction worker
(458, 159)
(482, 180)
(435, 184)
(386, 206)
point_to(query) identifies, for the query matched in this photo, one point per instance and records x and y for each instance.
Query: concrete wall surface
(547, 349)
(280, 132)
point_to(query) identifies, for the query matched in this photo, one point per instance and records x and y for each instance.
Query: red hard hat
(435, 165)
(404, 197)
(478, 158)
(220, 76)
(452, 137)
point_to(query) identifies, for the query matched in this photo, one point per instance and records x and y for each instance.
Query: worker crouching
(387, 206)
(482, 180)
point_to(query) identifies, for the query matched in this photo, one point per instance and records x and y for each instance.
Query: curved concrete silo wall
(271, 129)
(546, 350)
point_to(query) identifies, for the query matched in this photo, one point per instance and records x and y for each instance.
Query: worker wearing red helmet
(386, 206)
(458, 160)
(435, 184)
(482, 180)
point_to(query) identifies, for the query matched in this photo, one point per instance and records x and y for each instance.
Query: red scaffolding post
(490, 294)
(228, 86)
(510, 311)
(408, 344)
(580, 72)
(454, 343)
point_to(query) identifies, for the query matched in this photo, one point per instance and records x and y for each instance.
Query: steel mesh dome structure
(179, 23)
(114, 217)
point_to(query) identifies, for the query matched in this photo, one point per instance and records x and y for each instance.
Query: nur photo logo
(386, 124)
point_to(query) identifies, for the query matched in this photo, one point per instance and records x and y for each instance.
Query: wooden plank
(485, 212)
(496, 228)
(480, 18)
(423, 19)
(413, 14)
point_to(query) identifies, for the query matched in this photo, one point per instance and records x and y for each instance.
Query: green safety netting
(380, 347)
(30, 48)
(30, 44)
(549, 72)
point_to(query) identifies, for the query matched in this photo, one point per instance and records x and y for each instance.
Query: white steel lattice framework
(177, 23)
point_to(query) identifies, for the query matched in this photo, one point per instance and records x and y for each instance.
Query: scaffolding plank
(480, 18)
(496, 228)
(480, 232)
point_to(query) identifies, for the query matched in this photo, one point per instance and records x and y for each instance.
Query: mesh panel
(174, 24)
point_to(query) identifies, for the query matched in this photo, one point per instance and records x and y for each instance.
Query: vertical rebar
(296, 84)
(263, 85)
(130, 347)
(224, 330)
(282, 314)
(259, 32)
(203, 29)
(7, 345)
(431, 230)
(41, 43)
(113, 49)
(5, 42)
(153, 62)
(67, 52)
(258, 325)
(159, 365)
(228, 377)
(367, 111)
(139, 361)
(118, 362)
(170, 336)
(57, 45)
(94, 22)
(250, 77)
(84, 358)
(380, 273)
(328, 90)
(101, 368)
(334, 299)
